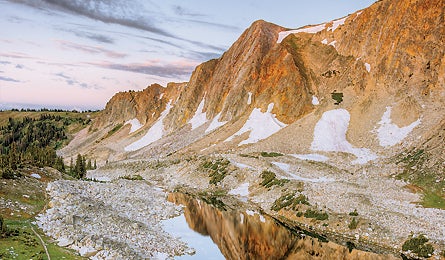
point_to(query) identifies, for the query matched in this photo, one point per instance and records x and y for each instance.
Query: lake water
(219, 232)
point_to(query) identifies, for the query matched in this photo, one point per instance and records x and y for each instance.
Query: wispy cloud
(89, 49)
(100, 38)
(73, 82)
(16, 55)
(9, 79)
(4, 62)
(171, 70)
(19, 66)
(179, 10)
(120, 12)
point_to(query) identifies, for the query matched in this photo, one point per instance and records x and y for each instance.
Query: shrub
(7, 173)
(269, 179)
(419, 246)
(338, 97)
(271, 154)
(136, 177)
(353, 213)
(353, 224)
(288, 200)
(217, 169)
(318, 215)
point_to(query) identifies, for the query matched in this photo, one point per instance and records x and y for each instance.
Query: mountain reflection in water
(249, 235)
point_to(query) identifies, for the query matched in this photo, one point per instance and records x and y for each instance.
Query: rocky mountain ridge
(387, 55)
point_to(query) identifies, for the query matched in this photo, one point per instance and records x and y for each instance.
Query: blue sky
(76, 54)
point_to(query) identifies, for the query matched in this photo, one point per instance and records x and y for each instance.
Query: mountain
(388, 56)
(349, 113)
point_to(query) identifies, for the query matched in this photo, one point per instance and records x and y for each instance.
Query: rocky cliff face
(387, 55)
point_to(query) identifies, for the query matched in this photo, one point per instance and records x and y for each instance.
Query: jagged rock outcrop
(387, 55)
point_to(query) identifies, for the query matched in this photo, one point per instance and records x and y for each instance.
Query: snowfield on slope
(215, 124)
(154, 133)
(260, 125)
(135, 125)
(287, 169)
(200, 117)
(330, 136)
(390, 134)
(313, 29)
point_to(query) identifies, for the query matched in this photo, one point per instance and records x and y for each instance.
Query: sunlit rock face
(250, 235)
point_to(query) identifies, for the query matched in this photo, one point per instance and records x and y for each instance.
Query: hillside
(350, 112)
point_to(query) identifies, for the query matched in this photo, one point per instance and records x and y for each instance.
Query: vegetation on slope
(419, 169)
(32, 138)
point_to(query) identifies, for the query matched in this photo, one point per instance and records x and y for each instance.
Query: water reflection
(250, 235)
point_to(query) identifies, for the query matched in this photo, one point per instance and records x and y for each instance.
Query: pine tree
(89, 166)
(95, 165)
(71, 167)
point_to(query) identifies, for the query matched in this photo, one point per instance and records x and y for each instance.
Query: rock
(63, 241)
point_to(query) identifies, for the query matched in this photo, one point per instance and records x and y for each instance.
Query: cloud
(100, 38)
(177, 69)
(16, 55)
(73, 82)
(9, 79)
(90, 49)
(19, 66)
(179, 10)
(119, 12)
(4, 62)
(218, 25)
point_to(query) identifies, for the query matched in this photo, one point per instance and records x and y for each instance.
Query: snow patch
(260, 125)
(390, 134)
(154, 133)
(200, 117)
(242, 190)
(312, 29)
(330, 136)
(241, 215)
(160, 96)
(332, 43)
(368, 67)
(311, 157)
(337, 23)
(215, 124)
(250, 212)
(325, 41)
(35, 175)
(315, 101)
(135, 125)
(249, 99)
(286, 168)
(241, 165)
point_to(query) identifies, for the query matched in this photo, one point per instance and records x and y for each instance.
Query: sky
(76, 54)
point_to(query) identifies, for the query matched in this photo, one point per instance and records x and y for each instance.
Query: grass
(338, 97)
(269, 180)
(26, 245)
(136, 177)
(353, 213)
(353, 224)
(271, 154)
(419, 246)
(217, 169)
(316, 214)
(114, 130)
(432, 200)
(289, 200)
(20, 242)
(418, 170)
